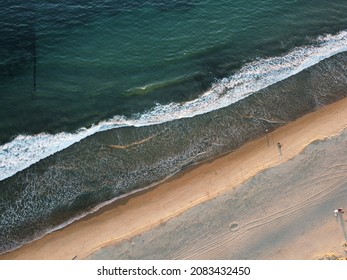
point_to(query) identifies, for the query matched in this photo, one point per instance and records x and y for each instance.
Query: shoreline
(145, 209)
(284, 212)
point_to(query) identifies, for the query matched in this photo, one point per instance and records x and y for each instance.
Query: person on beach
(337, 211)
(279, 145)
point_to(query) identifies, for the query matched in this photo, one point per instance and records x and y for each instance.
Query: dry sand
(285, 212)
(282, 213)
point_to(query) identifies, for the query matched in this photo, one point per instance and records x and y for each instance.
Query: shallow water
(176, 82)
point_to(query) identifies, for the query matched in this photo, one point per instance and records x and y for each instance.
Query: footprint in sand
(233, 226)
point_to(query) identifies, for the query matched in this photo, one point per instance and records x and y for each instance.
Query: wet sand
(286, 214)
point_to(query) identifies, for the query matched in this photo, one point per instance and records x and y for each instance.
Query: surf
(25, 150)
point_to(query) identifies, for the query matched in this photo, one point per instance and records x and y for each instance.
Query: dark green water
(178, 73)
(97, 59)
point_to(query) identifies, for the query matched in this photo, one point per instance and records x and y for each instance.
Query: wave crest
(26, 150)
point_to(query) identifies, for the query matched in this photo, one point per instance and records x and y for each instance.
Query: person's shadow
(342, 222)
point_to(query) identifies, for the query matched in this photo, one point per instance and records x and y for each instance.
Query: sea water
(99, 99)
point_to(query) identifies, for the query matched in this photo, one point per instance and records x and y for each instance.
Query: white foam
(26, 150)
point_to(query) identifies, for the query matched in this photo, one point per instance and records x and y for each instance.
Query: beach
(122, 121)
(157, 209)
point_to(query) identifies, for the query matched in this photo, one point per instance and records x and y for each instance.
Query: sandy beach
(262, 201)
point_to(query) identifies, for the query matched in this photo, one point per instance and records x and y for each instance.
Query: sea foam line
(26, 150)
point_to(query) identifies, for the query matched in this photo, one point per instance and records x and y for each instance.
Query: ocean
(101, 98)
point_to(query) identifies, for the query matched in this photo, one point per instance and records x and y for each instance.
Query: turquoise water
(79, 76)
(99, 59)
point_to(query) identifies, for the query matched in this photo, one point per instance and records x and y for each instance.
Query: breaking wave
(26, 150)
